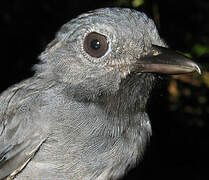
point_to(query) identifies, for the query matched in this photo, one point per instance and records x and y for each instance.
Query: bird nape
(83, 114)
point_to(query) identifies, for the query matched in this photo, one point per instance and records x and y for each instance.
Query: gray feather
(81, 117)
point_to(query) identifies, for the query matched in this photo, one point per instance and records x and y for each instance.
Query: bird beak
(165, 61)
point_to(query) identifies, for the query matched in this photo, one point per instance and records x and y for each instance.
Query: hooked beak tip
(197, 68)
(190, 67)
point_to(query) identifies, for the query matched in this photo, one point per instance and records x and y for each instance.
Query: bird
(82, 115)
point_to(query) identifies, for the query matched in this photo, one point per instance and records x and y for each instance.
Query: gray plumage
(81, 117)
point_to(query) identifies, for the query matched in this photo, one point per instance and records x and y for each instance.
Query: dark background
(179, 146)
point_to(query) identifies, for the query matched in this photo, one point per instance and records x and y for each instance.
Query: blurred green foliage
(199, 49)
(137, 3)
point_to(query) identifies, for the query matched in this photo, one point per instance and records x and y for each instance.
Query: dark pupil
(95, 44)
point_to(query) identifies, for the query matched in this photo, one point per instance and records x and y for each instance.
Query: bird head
(106, 51)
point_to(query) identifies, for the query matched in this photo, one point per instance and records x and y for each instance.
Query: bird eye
(95, 44)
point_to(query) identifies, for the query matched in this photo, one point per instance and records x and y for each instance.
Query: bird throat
(125, 109)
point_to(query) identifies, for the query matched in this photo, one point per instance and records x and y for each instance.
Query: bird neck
(122, 110)
(126, 109)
